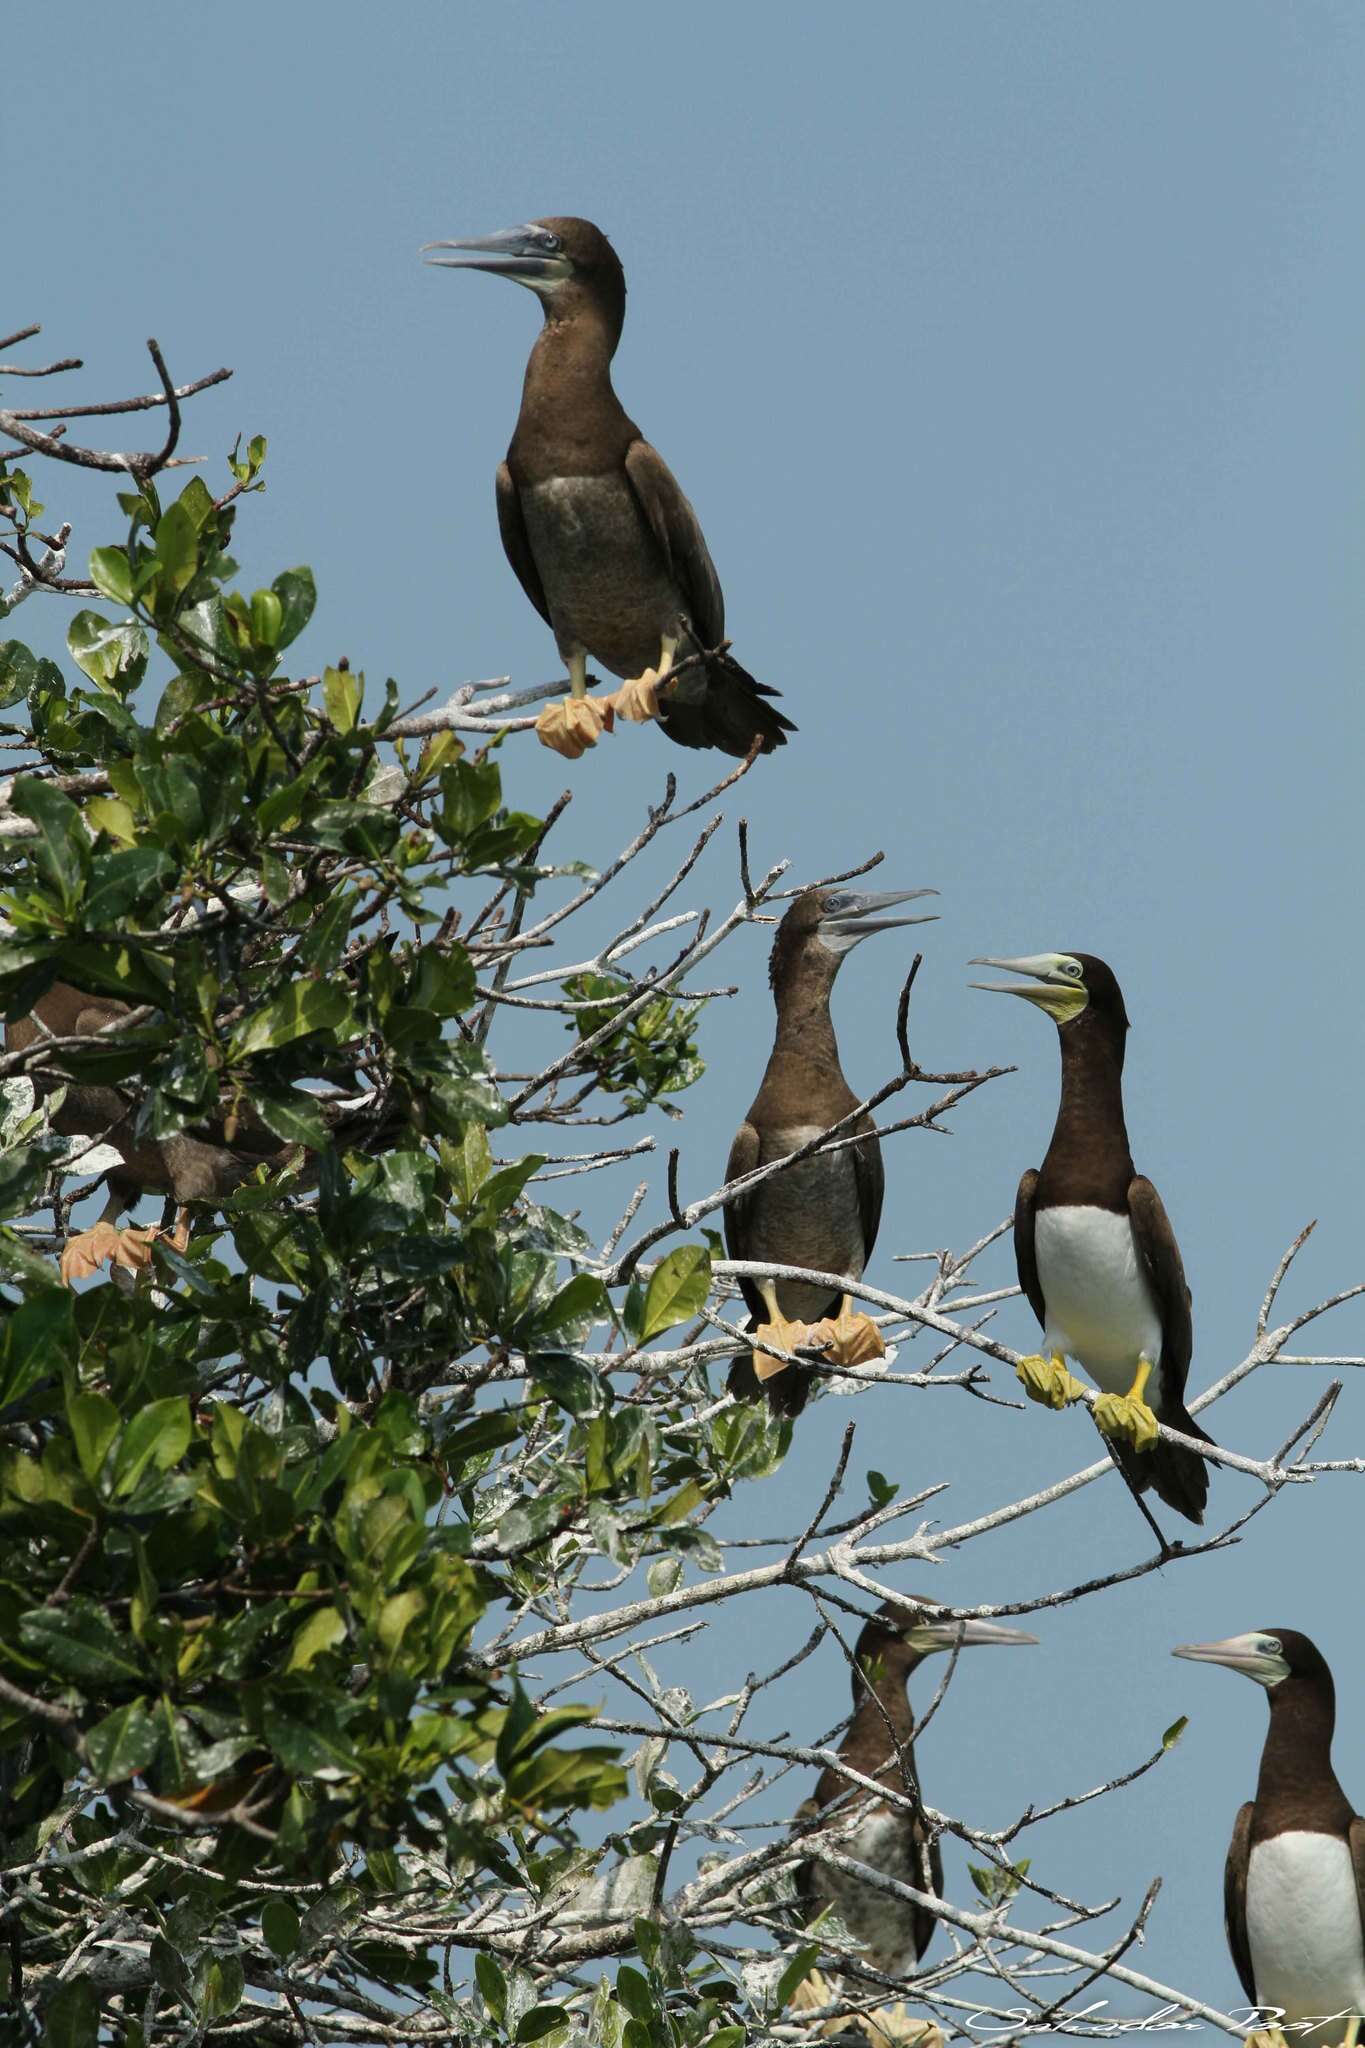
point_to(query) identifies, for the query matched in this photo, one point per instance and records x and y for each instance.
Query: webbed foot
(574, 724)
(785, 1336)
(850, 1339)
(637, 701)
(1127, 1415)
(1047, 1380)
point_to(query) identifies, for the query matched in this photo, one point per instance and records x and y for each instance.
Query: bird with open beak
(1294, 1881)
(1094, 1247)
(822, 1213)
(593, 522)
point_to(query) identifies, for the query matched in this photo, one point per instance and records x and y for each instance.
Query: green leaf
(105, 651)
(159, 1434)
(119, 880)
(664, 1576)
(295, 1117)
(470, 792)
(304, 1007)
(1174, 1732)
(678, 1287)
(882, 1489)
(341, 695)
(95, 1422)
(796, 1972)
(61, 851)
(123, 1743)
(177, 549)
(297, 594)
(79, 1641)
(112, 575)
(280, 1926)
(492, 1984)
(634, 1993)
(322, 1631)
(267, 617)
(72, 2017)
(995, 1883)
(539, 2021)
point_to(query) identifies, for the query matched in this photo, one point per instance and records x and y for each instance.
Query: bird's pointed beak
(1246, 1654)
(1059, 993)
(520, 253)
(966, 1635)
(854, 915)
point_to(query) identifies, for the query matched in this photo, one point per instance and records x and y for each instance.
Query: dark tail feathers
(1179, 1477)
(785, 1392)
(719, 704)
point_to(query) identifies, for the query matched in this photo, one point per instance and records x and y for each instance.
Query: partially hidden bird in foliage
(594, 523)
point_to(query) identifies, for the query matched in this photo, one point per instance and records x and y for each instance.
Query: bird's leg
(1352, 2031)
(778, 1331)
(84, 1254)
(638, 700)
(1048, 1381)
(851, 1339)
(577, 721)
(1127, 1415)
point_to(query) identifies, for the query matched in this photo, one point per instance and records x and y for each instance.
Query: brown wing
(1235, 1896)
(674, 525)
(738, 1213)
(1160, 1256)
(516, 542)
(1025, 1257)
(869, 1177)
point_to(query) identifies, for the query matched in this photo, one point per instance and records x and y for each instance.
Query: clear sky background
(1012, 356)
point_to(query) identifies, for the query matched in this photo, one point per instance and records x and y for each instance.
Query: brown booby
(1094, 1247)
(824, 1213)
(1294, 1882)
(602, 539)
(878, 1744)
(181, 1166)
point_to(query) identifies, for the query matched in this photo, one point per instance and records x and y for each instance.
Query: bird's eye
(1268, 1647)
(1072, 968)
(548, 241)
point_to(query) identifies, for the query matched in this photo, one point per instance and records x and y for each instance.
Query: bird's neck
(882, 1728)
(804, 1025)
(1296, 1762)
(1092, 1095)
(567, 397)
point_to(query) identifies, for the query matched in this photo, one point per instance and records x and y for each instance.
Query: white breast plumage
(884, 1923)
(1303, 1927)
(1100, 1309)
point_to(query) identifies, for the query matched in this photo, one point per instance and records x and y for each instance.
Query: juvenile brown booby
(878, 1744)
(1094, 1247)
(185, 1167)
(1294, 1882)
(822, 1214)
(602, 539)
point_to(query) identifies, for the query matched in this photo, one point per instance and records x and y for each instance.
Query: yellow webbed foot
(1048, 1381)
(849, 1339)
(637, 701)
(1127, 1415)
(83, 1255)
(786, 1336)
(574, 724)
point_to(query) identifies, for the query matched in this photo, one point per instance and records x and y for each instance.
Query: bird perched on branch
(1294, 1883)
(878, 1744)
(822, 1213)
(1094, 1247)
(184, 1166)
(602, 539)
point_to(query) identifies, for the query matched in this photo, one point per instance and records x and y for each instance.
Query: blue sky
(1011, 355)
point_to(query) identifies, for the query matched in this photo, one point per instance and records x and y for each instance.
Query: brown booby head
(903, 1632)
(825, 924)
(1080, 993)
(1272, 1656)
(568, 263)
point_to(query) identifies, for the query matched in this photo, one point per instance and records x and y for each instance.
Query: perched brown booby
(602, 540)
(182, 1166)
(822, 1214)
(1294, 1882)
(1094, 1247)
(878, 1744)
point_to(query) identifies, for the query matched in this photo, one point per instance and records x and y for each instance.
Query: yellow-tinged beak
(1060, 988)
